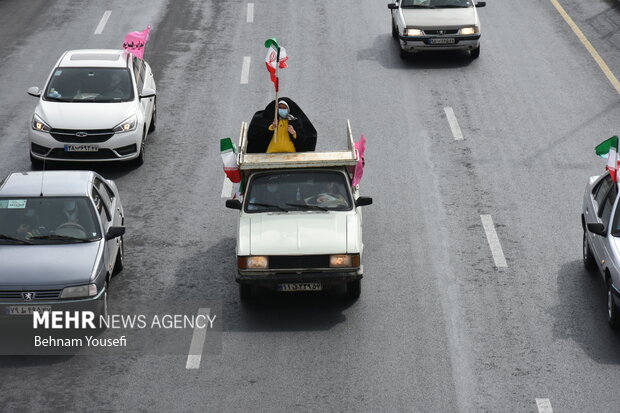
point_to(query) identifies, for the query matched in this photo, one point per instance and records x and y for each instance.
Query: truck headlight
(469, 30)
(127, 125)
(39, 125)
(414, 32)
(79, 291)
(344, 260)
(253, 262)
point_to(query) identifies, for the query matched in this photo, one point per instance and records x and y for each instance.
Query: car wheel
(613, 317)
(354, 289)
(394, 31)
(153, 124)
(36, 164)
(120, 257)
(247, 292)
(475, 53)
(140, 159)
(588, 257)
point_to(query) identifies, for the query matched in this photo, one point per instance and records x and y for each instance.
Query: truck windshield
(310, 190)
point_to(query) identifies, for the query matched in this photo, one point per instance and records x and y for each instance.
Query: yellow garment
(281, 141)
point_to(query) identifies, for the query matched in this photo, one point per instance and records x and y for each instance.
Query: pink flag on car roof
(360, 146)
(135, 42)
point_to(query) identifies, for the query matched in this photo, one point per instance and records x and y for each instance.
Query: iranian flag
(609, 149)
(228, 151)
(276, 59)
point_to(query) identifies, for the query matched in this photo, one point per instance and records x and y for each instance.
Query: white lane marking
(250, 18)
(454, 124)
(103, 21)
(227, 188)
(493, 240)
(544, 406)
(245, 70)
(198, 342)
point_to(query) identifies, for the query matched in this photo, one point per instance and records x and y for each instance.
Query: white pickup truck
(300, 222)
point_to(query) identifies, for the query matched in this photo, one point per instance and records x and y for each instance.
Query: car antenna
(42, 176)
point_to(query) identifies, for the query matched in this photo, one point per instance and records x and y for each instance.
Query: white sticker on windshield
(58, 73)
(16, 204)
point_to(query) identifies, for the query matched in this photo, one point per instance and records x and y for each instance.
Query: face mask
(283, 113)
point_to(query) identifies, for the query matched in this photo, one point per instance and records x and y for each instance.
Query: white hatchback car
(436, 25)
(97, 105)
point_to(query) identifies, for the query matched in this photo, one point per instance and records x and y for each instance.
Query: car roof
(94, 58)
(49, 183)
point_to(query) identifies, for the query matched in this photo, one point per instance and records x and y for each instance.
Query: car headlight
(344, 260)
(469, 30)
(79, 291)
(39, 125)
(127, 125)
(414, 32)
(253, 262)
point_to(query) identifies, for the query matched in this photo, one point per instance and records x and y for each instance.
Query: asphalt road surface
(442, 324)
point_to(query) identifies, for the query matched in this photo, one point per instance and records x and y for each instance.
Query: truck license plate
(81, 148)
(300, 287)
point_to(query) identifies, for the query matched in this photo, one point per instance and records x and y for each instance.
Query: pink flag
(135, 42)
(360, 147)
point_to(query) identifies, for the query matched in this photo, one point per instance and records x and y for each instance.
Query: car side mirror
(392, 6)
(481, 4)
(598, 229)
(233, 204)
(363, 200)
(114, 232)
(34, 91)
(147, 92)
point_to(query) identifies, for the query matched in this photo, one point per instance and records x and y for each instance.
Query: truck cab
(300, 222)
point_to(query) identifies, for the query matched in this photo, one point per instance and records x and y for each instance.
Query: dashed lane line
(103, 22)
(544, 406)
(245, 70)
(454, 124)
(250, 15)
(197, 344)
(493, 240)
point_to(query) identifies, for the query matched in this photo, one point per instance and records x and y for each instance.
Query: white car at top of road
(97, 105)
(436, 25)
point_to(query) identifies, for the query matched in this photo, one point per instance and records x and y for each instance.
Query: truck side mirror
(392, 6)
(363, 200)
(596, 228)
(481, 4)
(114, 232)
(233, 204)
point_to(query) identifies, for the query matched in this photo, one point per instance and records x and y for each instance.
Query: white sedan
(97, 105)
(436, 25)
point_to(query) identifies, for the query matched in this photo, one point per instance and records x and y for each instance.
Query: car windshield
(311, 190)
(436, 4)
(47, 220)
(87, 84)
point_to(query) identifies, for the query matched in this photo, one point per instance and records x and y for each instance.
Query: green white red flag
(228, 151)
(276, 59)
(609, 149)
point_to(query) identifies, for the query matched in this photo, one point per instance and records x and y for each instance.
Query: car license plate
(439, 40)
(26, 309)
(81, 148)
(300, 287)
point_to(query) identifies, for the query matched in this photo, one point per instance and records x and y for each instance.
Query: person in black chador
(259, 134)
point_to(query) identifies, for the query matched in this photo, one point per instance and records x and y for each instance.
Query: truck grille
(285, 262)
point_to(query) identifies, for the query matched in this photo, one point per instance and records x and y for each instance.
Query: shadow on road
(581, 316)
(210, 276)
(386, 51)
